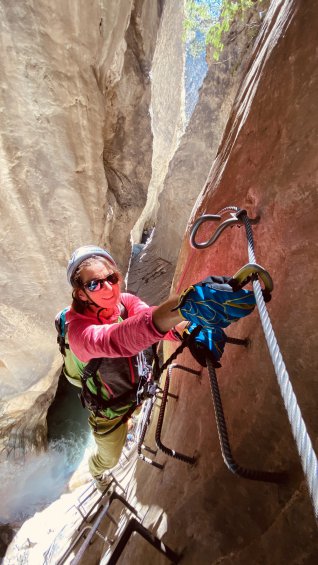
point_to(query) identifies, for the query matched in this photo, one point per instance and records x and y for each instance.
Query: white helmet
(82, 253)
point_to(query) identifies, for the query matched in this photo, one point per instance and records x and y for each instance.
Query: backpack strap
(123, 311)
(123, 420)
(91, 369)
(92, 402)
(60, 325)
(96, 402)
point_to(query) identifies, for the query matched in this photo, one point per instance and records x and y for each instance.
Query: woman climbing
(107, 331)
(104, 323)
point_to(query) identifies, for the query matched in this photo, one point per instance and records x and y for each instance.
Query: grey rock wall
(167, 106)
(75, 158)
(128, 132)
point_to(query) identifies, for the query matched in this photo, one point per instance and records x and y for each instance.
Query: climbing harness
(303, 442)
(110, 387)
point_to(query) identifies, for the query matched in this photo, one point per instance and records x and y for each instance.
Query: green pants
(108, 445)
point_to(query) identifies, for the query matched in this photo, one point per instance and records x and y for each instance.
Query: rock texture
(128, 133)
(75, 166)
(167, 105)
(267, 162)
(192, 161)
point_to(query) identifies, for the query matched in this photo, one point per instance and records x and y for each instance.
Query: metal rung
(95, 525)
(148, 407)
(236, 341)
(134, 526)
(252, 474)
(150, 461)
(149, 449)
(160, 445)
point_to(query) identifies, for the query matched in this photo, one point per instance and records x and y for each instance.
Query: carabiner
(252, 272)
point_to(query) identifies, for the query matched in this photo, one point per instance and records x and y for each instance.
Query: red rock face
(267, 163)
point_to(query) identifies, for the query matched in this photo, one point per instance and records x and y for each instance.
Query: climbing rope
(305, 449)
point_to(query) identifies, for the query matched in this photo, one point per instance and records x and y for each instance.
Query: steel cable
(303, 442)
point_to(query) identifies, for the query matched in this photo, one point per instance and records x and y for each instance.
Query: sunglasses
(97, 284)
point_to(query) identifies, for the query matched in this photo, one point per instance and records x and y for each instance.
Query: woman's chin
(109, 302)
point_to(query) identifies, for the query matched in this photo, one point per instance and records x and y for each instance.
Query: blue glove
(208, 342)
(212, 303)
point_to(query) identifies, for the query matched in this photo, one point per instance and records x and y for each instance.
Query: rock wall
(128, 133)
(267, 162)
(167, 106)
(75, 164)
(189, 167)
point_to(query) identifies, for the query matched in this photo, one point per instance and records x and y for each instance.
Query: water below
(66, 417)
(33, 483)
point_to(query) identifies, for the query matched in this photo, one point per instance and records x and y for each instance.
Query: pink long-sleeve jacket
(89, 339)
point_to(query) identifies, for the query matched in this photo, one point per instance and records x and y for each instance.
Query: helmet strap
(98, 313)
(90, 302)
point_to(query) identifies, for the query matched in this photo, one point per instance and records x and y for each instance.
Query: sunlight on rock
(47, 532)
(98, 146)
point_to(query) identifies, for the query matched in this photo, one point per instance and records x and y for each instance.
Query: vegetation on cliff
(206, 22)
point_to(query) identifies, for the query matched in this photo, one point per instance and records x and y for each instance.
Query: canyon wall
(167, 106)
(189, 167)
(266, 163)
(75, 156)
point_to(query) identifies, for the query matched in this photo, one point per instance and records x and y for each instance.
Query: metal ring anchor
(235, 219)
